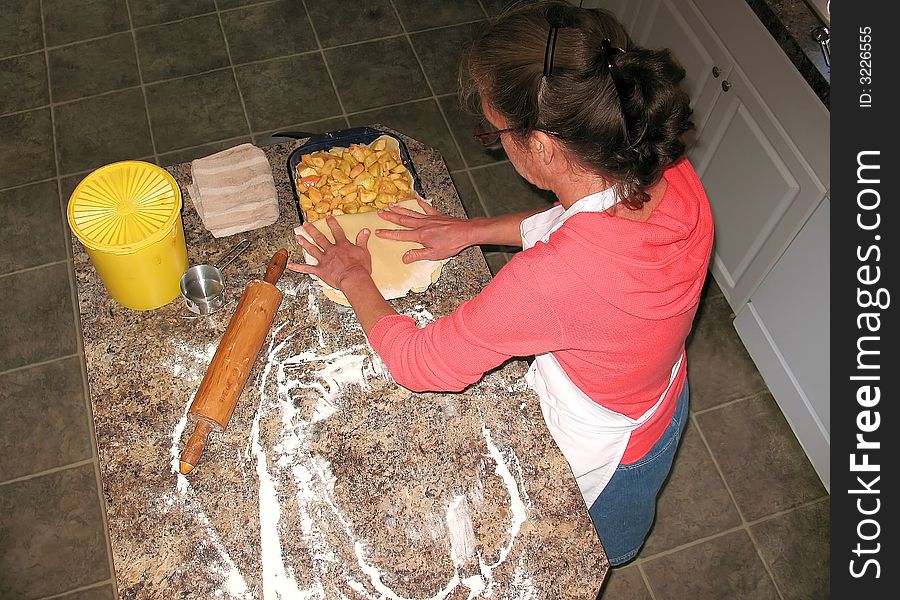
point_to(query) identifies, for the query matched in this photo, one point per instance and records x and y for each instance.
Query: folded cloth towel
(233, 190)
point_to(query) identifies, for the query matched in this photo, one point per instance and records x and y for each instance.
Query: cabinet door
(679, 27)
(760, 188)
(787, 95)
(786, 329)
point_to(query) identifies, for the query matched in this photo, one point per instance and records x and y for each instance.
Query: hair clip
(551, 48)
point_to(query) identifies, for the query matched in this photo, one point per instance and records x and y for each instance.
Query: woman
(607, 285)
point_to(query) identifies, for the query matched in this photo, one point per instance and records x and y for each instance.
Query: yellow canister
(128, 217)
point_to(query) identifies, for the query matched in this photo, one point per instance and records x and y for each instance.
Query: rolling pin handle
(194, 447)
(276, 266)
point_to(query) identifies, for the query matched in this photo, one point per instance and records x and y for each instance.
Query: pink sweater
(612, 299)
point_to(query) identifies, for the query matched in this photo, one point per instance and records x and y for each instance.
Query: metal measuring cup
(203, 286)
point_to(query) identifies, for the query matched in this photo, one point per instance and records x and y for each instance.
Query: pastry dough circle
(392, 276)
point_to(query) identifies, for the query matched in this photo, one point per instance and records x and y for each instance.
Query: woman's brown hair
(621, 115)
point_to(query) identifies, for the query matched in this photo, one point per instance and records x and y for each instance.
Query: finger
(362, 238)
(311, 248)
(302, 268)
(397, 218)
(417, 254)
(405, 211)
(429, 209)
(317, 236)
(335, 227)
(403, 235)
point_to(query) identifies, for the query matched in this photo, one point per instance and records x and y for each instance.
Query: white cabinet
(785, 328)
(760, 187)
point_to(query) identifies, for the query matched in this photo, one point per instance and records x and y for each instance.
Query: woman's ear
(543, 146)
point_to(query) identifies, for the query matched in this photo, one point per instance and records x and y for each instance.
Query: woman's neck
(572, 189)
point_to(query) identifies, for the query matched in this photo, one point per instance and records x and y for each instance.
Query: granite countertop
(791, 23)
(331, 481)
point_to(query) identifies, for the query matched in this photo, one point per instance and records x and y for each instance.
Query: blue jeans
(625, 509)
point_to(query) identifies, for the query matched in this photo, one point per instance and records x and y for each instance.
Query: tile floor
(86, 82)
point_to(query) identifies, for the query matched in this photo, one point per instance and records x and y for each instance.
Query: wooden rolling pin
(234, 359)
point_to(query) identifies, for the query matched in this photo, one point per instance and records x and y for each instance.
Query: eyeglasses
(489, 135)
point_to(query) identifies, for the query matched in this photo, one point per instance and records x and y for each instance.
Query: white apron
(591, 437)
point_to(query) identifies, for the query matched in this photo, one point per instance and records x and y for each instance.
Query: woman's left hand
(338, 262)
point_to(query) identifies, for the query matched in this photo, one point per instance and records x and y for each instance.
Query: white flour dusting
(421, 315)
(289, 471)
(516, 506)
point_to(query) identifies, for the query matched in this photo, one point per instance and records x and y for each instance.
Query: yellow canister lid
(123, 207)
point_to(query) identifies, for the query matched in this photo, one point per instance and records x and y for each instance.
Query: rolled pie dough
(393, 277)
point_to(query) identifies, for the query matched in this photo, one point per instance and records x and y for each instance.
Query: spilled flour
(296, 485)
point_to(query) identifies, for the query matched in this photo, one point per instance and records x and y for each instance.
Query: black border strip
(864, 266)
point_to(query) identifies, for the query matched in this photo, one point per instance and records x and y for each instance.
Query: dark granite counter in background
(791, 23)
(330, 481)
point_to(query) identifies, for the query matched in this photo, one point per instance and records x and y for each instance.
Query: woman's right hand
(441, 236)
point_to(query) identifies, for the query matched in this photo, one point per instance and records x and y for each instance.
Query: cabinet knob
(716, 72)
(726, 85)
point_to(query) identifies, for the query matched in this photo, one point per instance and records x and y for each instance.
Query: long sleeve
(510, 317)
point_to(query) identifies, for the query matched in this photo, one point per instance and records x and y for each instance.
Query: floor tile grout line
(480, 167)
(483, 9)
(787, 511)
(59, 207)
(719, 471)
(49, 93)
(237, 85)
(744, 522)
(646, 579)
(234, 138)
(321, 52)
(42, 363)
(52, 105)
(101, 500)
(765, 563)
(65, 467)
(23, 54)
(438, 103)
(26, 184)
(731, 402)
(685, 546)
(137, 59)
(84, 588)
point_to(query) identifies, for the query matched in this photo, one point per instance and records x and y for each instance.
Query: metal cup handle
(232, 254)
